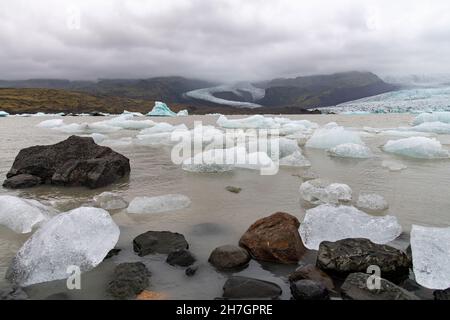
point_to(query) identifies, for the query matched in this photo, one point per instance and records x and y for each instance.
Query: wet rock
(309, 290)
(58, 296)
(13, 293)
(191, 271)
(355, 288)
(274, 239)
(442, 294)
(159, 242)
(233, 189)
(130, 279)
(112, 253)
(421, 292)
(311, 272)
(182, 258)
(22, 181)
(247, 288)
(77, 161)
(356, 255)
(229, 257)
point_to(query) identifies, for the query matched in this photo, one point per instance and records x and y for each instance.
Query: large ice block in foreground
(21, 215)
(320, 191)
(330, 223)
(431, 256)
(161, 110)
(351, 150)
(81, 237)
(432, 117)
(417, 147)
(169, 202)
(331, 136)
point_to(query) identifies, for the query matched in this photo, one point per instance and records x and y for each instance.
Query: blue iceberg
(4, 114)
(161, 110)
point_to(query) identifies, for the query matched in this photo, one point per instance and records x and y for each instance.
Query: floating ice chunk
(110, 201)
(4, 114)
(393, 165)
(169, 202)
(122, 142)
(417, 147)
(215, 160)
(431, 256)
(432, 117)
(52, 123)
(350, 150)
(372, 203)
(158, 128)
(330, 223)
(125, 121)
(319, 191)
(297, 159)
(292, 127)
(433, 127)
(301, 138)
(21, 215)
(257, 161)
(86, 128)
(182, 113)
(135, 114)
(98, 137)
(406, 132)
(161, 110)
(275, 148)
(253, 122)
(331, 136)
(81, 237)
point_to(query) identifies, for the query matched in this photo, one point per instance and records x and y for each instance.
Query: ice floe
(81, 237)
(319, 191)
(182, 113)
(331, 223)
(331, 136)
(432, 127)
(372, 203)
(161, 110)
(350, 150)
(252, 122)
(417, 147)
(296, 159)
(51, 123)
(125, 121)
(110, 201)
(393, 165)
(169, 202)
(21, 215)
(432, 117)
(431, 256)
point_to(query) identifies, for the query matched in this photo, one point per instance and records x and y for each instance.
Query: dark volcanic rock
(159, 242)
(191, 271)
(442, 294)
(58, 296)
(274, 239)
(247, 288)
(311, 272)
(76, 161)
(356, 255)
(309, 290)
(355, 288)
(22, 181)
(233, 189)
(13, 294)
(182, 258)
(229, 258)
(130, 279)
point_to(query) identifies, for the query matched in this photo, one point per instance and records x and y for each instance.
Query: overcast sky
(221, 39)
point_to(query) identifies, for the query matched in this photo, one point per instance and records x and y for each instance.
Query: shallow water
(417, 195)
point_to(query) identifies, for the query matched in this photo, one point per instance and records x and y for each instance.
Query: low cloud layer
(221, 39)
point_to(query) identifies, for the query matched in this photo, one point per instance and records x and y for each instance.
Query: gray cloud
(221, 39)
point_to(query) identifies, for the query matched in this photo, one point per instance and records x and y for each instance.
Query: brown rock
(274, 239)
(311, 272)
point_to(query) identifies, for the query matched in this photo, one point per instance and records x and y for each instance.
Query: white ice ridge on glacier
(417, 147)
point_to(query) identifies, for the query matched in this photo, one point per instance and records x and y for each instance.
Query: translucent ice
(319, 191)
(432, 117)
(350, 150)
(331, 223)
(297, 159)
(417, 147)
(431, 256)
(182, 113)
(433, 127)
(81, 237)
(331, 136)
(52, 123)
(125, 121)
(158, 128)
(110, 201)
(21, 215)
(4, 114)
(169, 202)
(253, 122)
(214, 160)
(393, 165)
(372, 203)
(161, 109)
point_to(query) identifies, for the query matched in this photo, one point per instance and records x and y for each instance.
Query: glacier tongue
(319, 191)
(81, 237)
(417, 147)
(169, 202)
(21, 215)
(330, 223)
(431, 256)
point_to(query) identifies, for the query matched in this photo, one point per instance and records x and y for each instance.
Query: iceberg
(135, 114)
(158, 128)
(81, 237)
(169, 202)
(213, 161)
(432, 127)
(110, 201)
(296, 159)
(98, 137)
(331, 223)
(372, 203)
(253, 122)
(3, 114)
(22, 215)
(350, 150)
(393, 165)
(52, 123)
(182, 113)
(125, 121)
(161, 110)
(417, 147)
(431, 256)
(331, 136)
(432, 117)
(319, 191)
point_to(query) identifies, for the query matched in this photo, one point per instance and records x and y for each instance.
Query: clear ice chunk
(331, 136)
(417, 147)
(351, 150)
(319, 191)
(110, 201)
(169, 202)
(372, 203)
